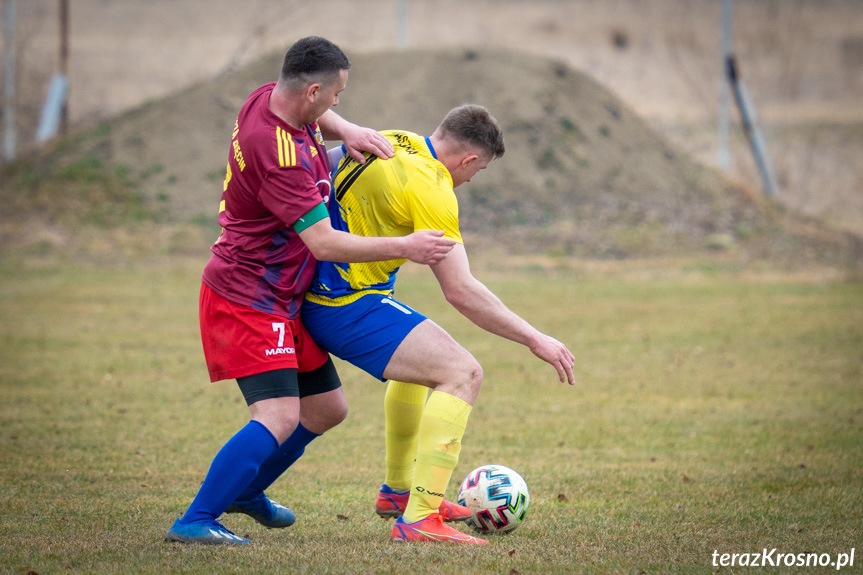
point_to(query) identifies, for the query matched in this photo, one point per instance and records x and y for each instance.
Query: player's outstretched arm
(357, 139)
(477, 303)
(328, 244)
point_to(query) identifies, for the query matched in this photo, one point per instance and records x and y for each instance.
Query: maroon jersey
(276, 174)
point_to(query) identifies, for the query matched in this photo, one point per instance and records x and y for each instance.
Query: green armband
(313, 216)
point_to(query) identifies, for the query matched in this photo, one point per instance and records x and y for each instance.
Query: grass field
(715, 410)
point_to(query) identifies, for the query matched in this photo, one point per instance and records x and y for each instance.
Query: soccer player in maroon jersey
(275, 227)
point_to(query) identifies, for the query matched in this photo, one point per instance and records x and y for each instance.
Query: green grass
(715, 409)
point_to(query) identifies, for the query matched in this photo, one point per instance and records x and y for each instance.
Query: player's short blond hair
(474, 125)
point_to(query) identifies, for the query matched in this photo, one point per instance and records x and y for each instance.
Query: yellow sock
(403, 409)
(441, 430)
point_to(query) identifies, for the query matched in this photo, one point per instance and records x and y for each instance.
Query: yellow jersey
(409, 192)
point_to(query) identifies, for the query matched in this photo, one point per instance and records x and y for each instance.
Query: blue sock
(235, 465)
(278, 462)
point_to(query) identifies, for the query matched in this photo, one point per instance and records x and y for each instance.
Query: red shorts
(240, 341)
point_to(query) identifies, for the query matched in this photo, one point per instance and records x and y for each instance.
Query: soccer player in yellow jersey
(349, 311)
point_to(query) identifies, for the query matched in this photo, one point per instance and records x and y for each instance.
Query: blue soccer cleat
(213, 533)
(265, 511)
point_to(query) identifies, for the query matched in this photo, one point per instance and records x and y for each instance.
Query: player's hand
(552, 351)
(358, 139)
(428, 246)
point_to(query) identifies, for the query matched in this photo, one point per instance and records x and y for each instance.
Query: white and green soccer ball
(498, 497)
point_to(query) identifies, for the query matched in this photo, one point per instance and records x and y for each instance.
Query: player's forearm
(344, 247)
(332, 125)
(425, 247)
(482, 307)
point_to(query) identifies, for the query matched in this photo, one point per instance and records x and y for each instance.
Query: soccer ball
(498, 497)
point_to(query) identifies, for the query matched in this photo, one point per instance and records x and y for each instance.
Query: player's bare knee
(281, 426)
(334, 417)
(342, 414)
(321, 419)
(476, 376)
(468, 380)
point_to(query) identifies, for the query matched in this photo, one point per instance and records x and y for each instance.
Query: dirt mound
(582, 176)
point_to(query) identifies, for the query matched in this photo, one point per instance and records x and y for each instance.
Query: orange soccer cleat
(393, 504)
(431, 528)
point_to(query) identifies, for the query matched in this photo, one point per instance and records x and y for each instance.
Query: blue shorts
(365, 333)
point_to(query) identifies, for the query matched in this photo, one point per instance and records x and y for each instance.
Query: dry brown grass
(711, 412)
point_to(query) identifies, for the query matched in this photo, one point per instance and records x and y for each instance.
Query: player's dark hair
(313, 59)
(474, 125)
